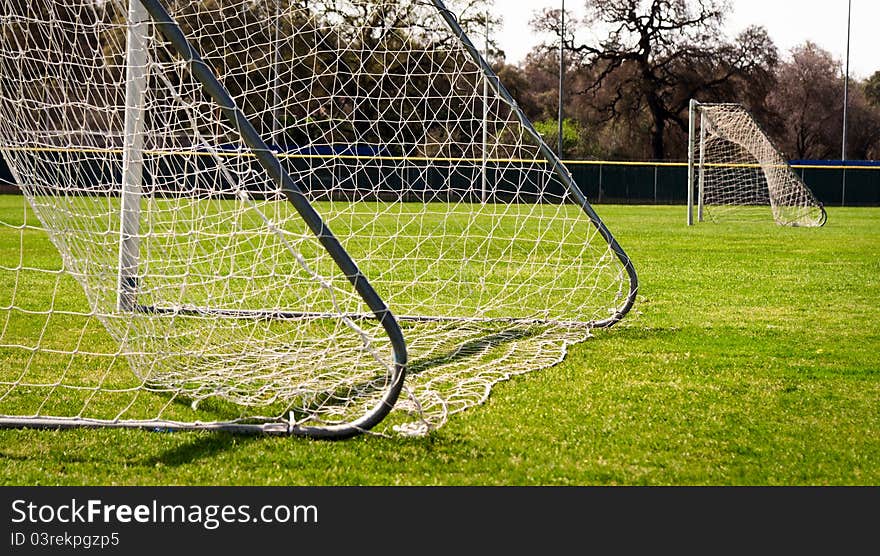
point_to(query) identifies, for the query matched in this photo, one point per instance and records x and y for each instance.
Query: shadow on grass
(470, 349)
(201, 447)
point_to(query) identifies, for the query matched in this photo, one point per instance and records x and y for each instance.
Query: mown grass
(751, 358)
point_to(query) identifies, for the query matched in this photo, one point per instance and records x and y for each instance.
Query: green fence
(855, 184)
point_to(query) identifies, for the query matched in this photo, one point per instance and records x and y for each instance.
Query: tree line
(307, 72)
(626, 95)
(329, 72)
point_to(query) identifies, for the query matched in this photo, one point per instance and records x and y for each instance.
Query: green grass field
(752, 358)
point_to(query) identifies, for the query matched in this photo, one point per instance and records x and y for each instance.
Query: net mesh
(156, 273)
(744, 177)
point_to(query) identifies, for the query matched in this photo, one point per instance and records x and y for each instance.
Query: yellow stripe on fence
(303, 156)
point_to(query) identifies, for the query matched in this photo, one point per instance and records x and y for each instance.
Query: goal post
(691, 172)
(132, 154)
(735, 172)
(406, 242)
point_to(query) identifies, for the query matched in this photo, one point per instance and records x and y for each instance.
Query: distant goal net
(735, 173)
(295, 217)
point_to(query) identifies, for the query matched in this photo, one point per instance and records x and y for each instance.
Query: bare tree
(808, 99)
(658, 54)
(863, 133)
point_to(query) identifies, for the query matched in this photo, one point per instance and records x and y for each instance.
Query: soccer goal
(736, 173)
(314, 218)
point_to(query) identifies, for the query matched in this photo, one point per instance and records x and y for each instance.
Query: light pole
(845, 101)
(561, 73)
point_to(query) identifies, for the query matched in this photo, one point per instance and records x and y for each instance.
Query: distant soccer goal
(736, 173)
(309, 218)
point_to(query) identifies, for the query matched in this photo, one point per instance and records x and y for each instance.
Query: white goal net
(279, 216)
(739, 175)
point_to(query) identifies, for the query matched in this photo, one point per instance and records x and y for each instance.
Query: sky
(789, 22)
